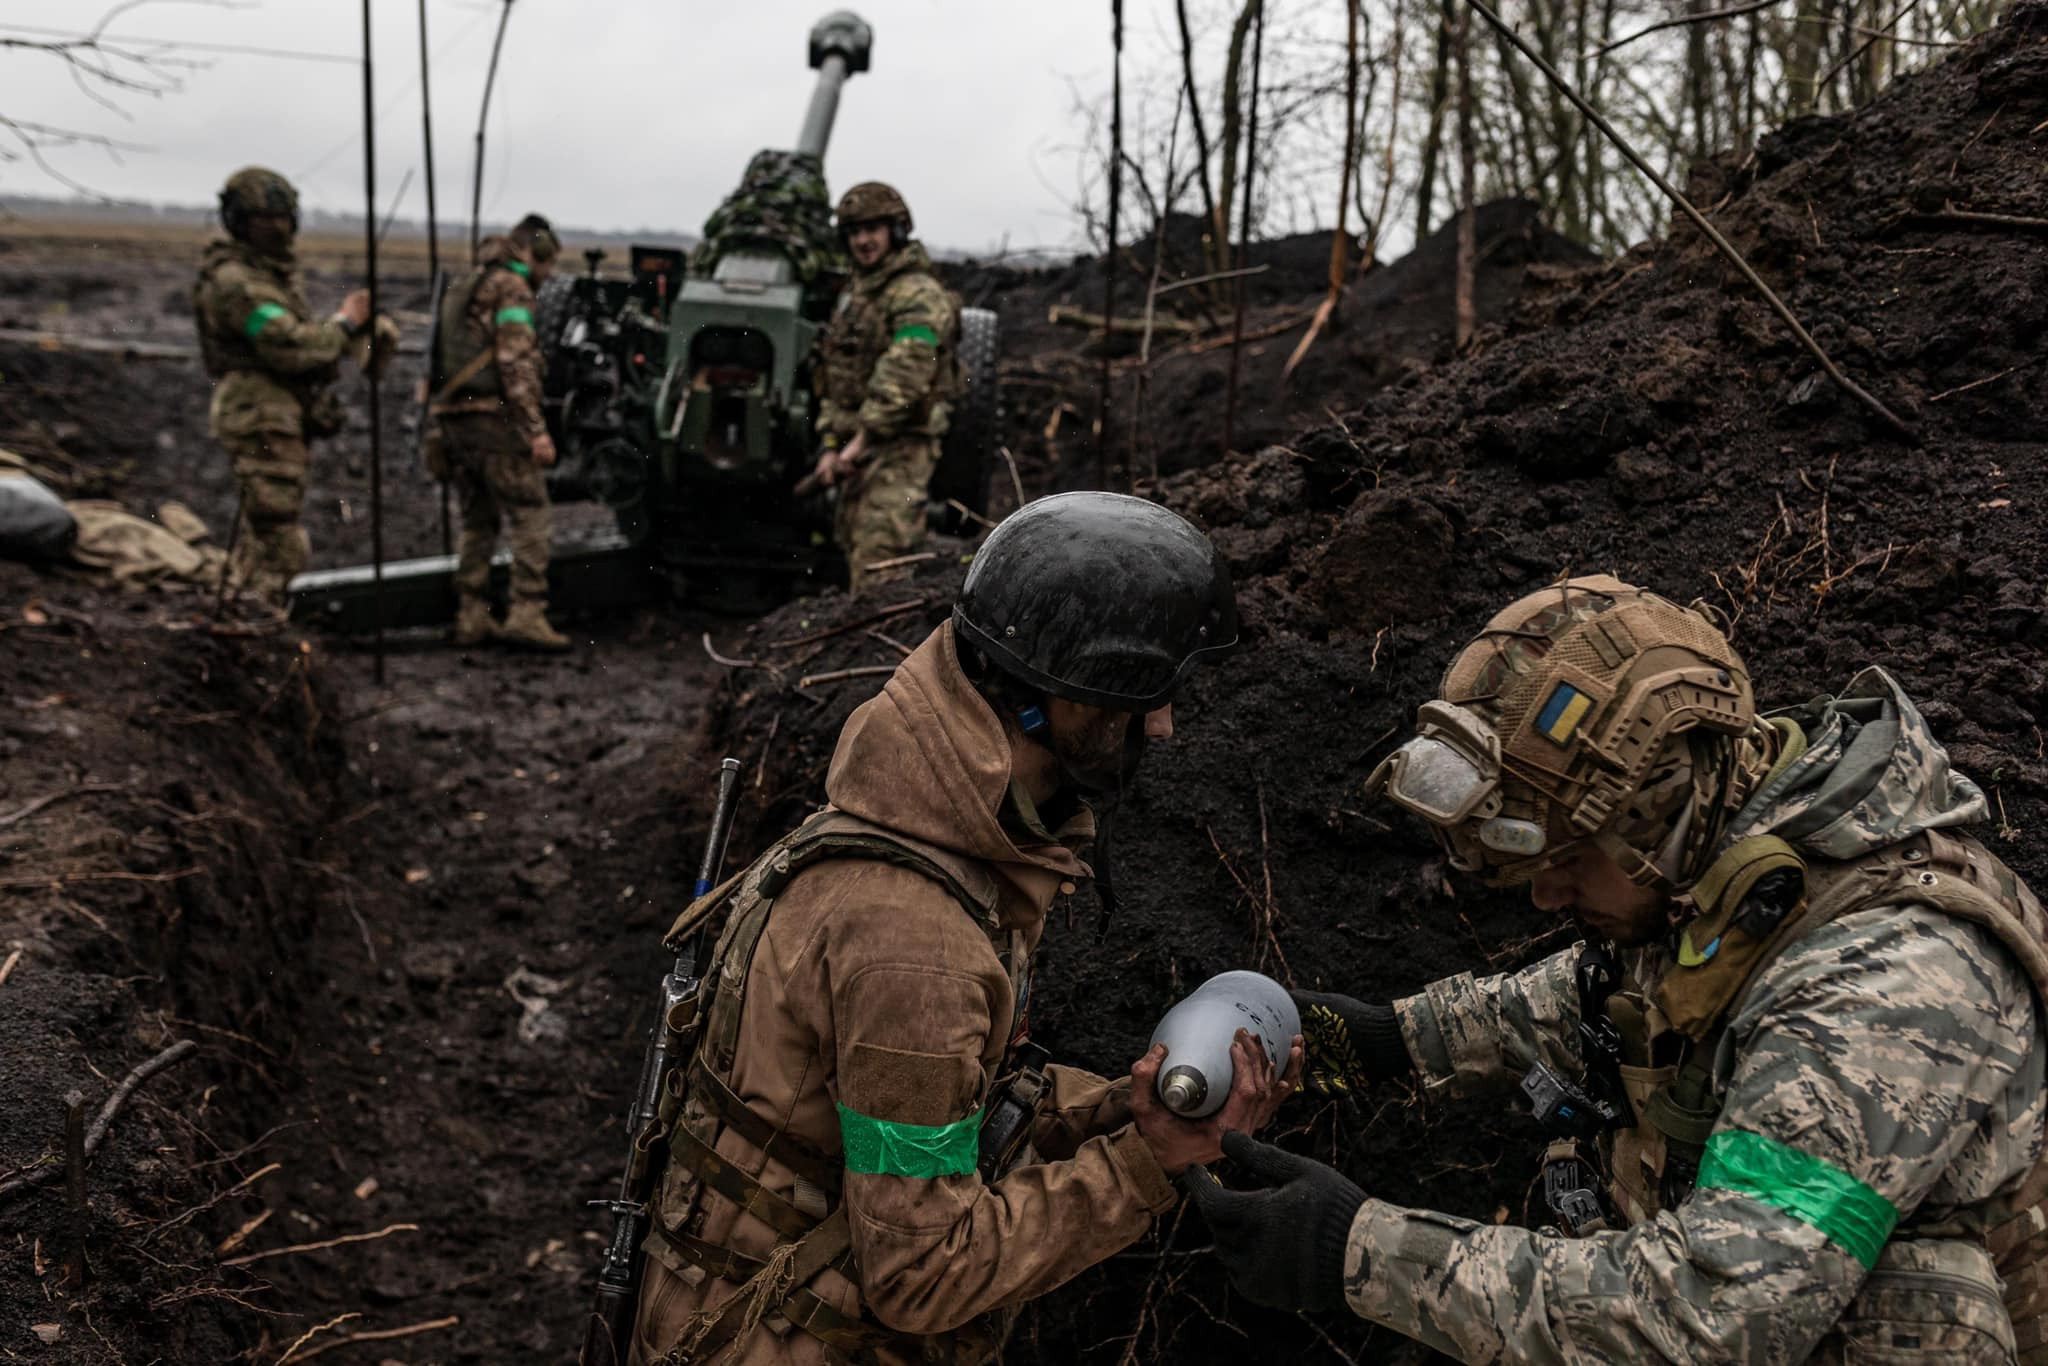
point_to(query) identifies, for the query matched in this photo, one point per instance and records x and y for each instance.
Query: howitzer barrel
(840, 45)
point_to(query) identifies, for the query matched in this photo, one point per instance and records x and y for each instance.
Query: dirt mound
(1649, 419)
(161, 794)
(1395, 318)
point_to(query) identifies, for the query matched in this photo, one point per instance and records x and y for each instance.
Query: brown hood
(495, 250)
(929, 758)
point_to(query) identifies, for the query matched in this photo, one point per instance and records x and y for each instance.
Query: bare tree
(110, 71)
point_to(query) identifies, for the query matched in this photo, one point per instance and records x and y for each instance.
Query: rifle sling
(783, 1145)
(737, 1186)
(825, 1246)
(463, 376)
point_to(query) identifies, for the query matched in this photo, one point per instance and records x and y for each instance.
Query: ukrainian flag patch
(1563, 712)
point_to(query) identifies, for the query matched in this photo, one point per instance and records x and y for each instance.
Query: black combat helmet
(1099, 598)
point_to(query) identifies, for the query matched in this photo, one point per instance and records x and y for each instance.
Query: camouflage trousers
(491, 468)
(882, 516)
(271, 545)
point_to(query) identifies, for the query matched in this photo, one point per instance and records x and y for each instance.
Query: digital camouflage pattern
(889, 370)
(272, 365)
(1887, 1066)
(493, 309)
(781, 204)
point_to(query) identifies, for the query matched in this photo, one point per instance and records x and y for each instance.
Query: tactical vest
(1652, 1166)
(699, 1105)
(227, 345)
(467, 363)
(853, 345)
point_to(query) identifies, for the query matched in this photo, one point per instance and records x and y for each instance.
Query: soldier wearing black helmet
(888, 372)
(835, 1187)
(273, 364)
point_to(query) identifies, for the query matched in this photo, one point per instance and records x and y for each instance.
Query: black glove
(1348, 1043)
(1283, 1247)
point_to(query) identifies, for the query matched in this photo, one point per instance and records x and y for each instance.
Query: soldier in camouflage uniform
(273, 364)
(493, 441)
(889, 370)
(1817, 1070)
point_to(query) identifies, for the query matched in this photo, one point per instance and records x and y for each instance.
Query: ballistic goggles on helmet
(1450, 775)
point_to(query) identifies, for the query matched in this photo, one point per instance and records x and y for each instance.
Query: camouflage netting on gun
(781, 204)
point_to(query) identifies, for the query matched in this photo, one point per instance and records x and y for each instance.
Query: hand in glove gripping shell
(1348, 1043)
(1283, 1246)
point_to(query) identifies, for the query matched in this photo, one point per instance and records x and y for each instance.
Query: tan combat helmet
(871, 201)
(1590, 711)
(256, 190)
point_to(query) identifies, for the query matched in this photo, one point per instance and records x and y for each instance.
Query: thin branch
(142, 1072)
(1684, 19)
(295, 1248)
(377, 1335)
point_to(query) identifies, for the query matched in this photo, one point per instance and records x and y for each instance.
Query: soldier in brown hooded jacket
(493, 441)
(829, 1191)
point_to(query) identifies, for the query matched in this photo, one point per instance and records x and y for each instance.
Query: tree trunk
(1468, 245)
(1216, 245)
(1233, 121)
(1439, 95)
(1802, 58)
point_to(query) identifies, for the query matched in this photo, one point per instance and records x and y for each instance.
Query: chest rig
(1650, 1056)
(699, 1105)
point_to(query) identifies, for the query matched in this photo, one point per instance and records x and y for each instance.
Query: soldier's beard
(1101, 760)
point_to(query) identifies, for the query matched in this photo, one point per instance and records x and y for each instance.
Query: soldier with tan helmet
(888, 372)
(492, 442)
(273, 365)
(1794, 1077)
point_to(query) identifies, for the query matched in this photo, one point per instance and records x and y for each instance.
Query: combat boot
(526, 628)
(473, 623)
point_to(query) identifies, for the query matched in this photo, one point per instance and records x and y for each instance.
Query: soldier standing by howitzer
(865, 1159)
(273, 365)
(489, 438)
(1794, 1079)
(889, 369)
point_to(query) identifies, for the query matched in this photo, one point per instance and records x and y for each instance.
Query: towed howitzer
(607, 1334)
(682, 397)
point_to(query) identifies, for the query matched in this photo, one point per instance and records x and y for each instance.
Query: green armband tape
(260, 317)
(917, 332)
(506, 317)
(520, 268)
(881, 1147)
(1816, 1193)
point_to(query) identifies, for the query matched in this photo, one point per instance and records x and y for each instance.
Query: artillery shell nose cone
(1182, 1090)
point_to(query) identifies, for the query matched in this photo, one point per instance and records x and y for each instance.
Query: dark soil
(411, 926)
(1650, 420)
(1169, 415)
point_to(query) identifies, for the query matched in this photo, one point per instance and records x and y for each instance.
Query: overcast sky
(614, 114)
